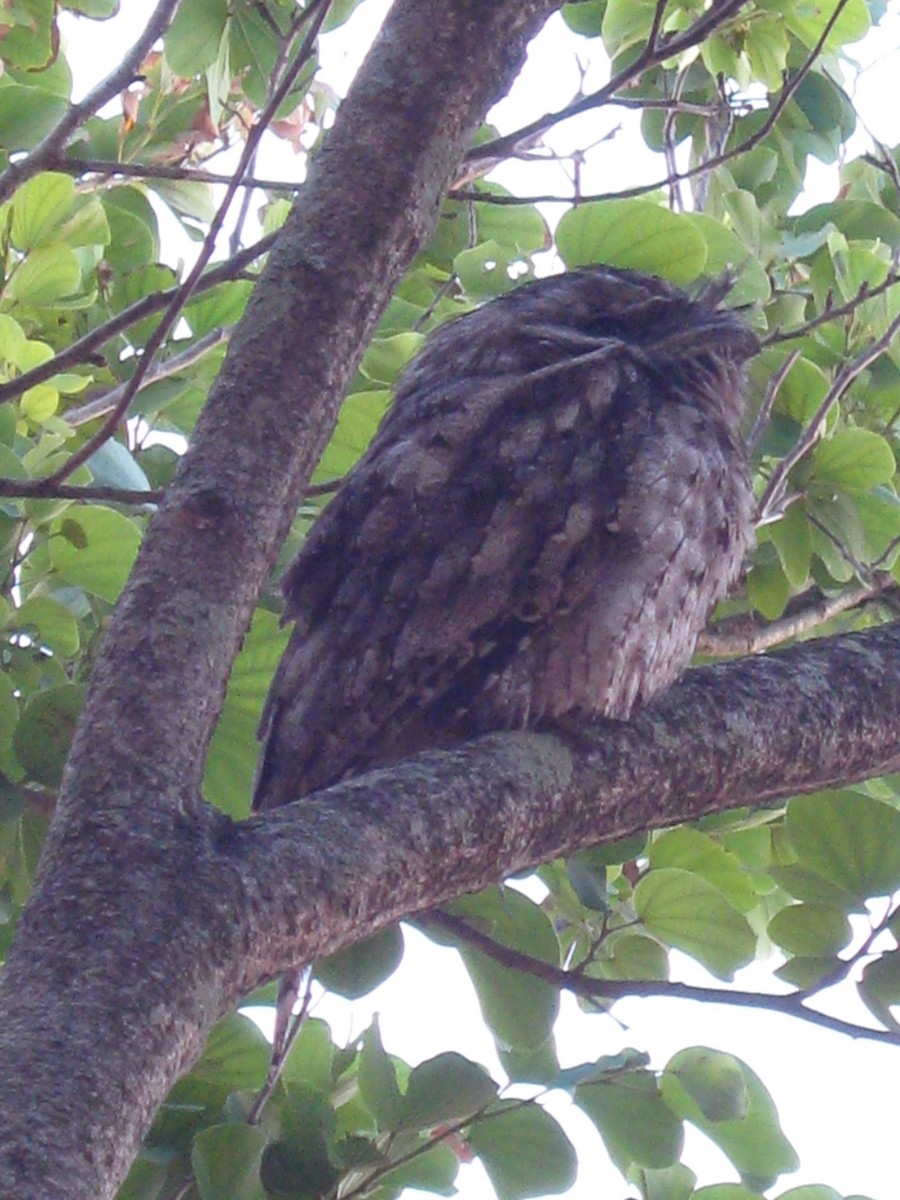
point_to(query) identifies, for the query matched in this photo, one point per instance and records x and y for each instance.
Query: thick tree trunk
(76, 997)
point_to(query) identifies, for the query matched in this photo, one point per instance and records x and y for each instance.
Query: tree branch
(629, 75)
(336, 867)
(657, 50)
(747, 634)
(49, 149)
(609, 990)
(317, 10)
(82, 350)
(773, 495)
(123, 1020)
(111, 169)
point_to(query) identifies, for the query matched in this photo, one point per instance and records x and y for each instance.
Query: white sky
(837, 1099)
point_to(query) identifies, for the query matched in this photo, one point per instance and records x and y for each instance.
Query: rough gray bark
(69, 1004)
(153, 913)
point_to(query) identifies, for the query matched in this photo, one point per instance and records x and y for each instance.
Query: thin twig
(183, 292)
(80, 351)
(610, 990)
(772, 390)
(643, 62)
(99, 406)
(774, 491)
(666, 47)
(109, 169)
(656, 25)
(745, 635)
(676, 202)
(50, 148)
(46, 489)
(831, 312)
(276, 1066)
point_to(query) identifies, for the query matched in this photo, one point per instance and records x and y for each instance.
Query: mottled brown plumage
(540, 528)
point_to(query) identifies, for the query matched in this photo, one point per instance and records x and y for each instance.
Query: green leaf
(879, 988)
(524, 1152)
(518, 229)
(670, 1183)
(288, 1173)
(378, 1081)
(584, 17)
(134, 237)
(792, 539)
(725, 1191)
(226, 1161)
(862, 220)
(808, 22)
(766, 45)
(87, 225)
(713, 1081)
(768, 588)
(27, 115)
(519, 1010)
(236, 1055)
(360, 968)
(12, 341)
(231, 762)
(218, 308)
(632, 233)
(726, 252)
(588, 881)
(687, 912)
(9, 715)
(810, 887)
(95, 550)
(145, 1180)
(39, 208)
(434, 1170)
(628, 955)
(694, 851)
(359, 417)
(753, 1141)
(806, 973)
(445, 1088)
(812, 1191)
(386, 357)
(193, 38)
(311, 1060)
(48, 623)
(626, 22)
(540, 1065)
(44, 276)
(879, 512)
(113, 465)
(854, 458)
(45, 730)
(849, 839)
(28, 39)
(483, 270)
(633, 1119)
(810, 930)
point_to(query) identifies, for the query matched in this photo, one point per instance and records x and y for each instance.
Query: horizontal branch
(77, 114)
(108, 169)
(86, 346)
(656, 50)
(412, 836)
(747, 633)
(789, 1004)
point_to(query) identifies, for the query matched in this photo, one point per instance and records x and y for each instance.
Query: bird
(540, 528)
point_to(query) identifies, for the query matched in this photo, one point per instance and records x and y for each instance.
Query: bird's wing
(468, 523)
